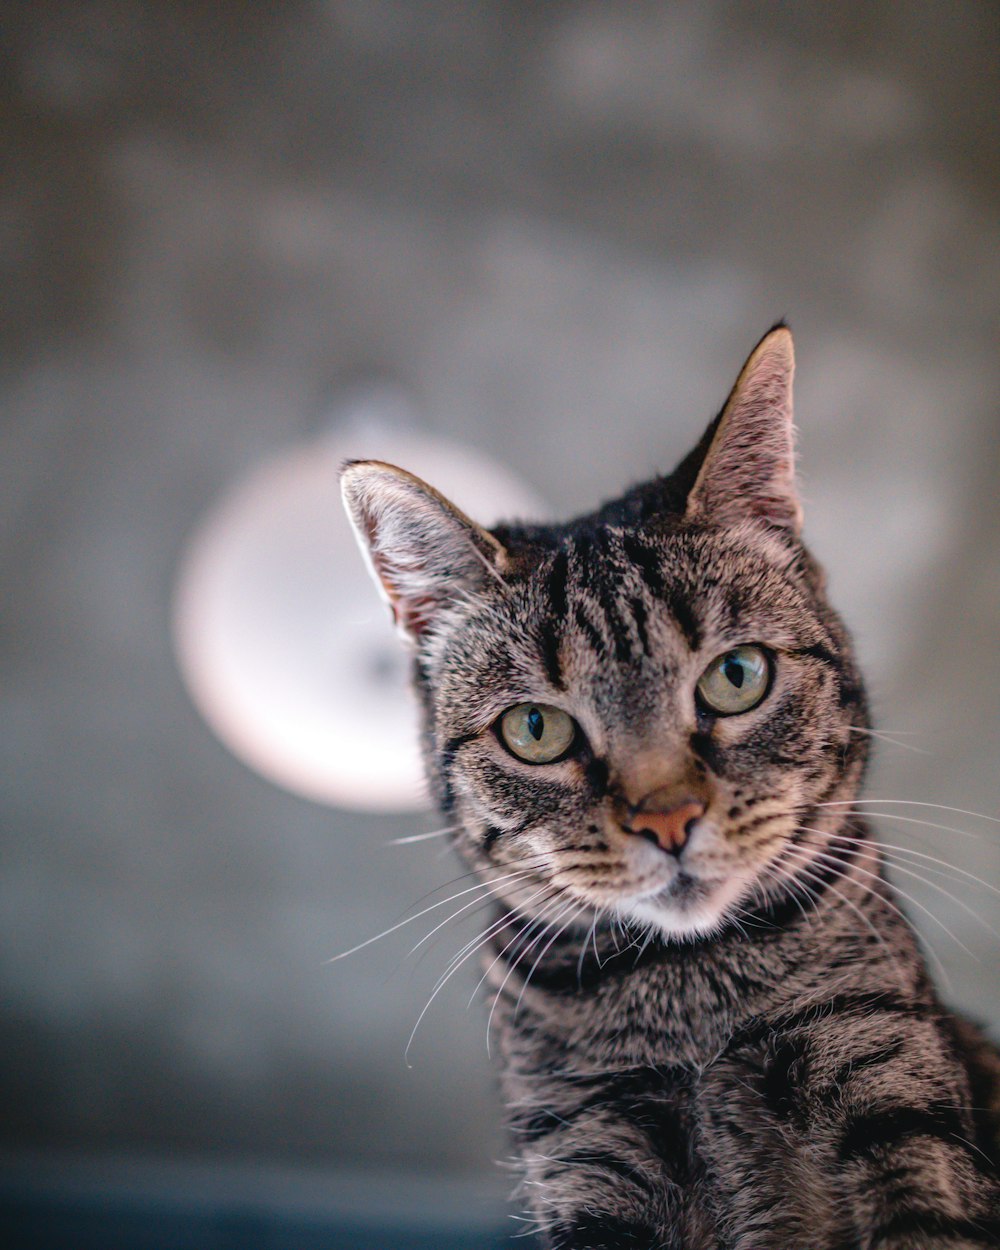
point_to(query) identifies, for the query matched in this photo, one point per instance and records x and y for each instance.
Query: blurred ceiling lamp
(282, 640)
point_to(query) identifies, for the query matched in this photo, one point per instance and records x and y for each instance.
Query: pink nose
(670, 827)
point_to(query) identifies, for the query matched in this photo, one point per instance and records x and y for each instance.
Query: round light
(281, 638)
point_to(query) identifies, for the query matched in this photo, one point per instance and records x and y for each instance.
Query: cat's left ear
(748, 472)
(424, 553)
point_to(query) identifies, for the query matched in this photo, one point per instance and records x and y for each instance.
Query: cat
(648, 730)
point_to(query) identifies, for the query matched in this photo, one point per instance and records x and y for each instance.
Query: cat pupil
(536, 724)
(735, 672)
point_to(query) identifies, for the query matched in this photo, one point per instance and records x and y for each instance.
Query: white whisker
(887, 735)
(832, 859)
(442, 982)
(423, 837)
(909, 871)
(941, 807)
(454, 915)
(482, 885)
(805, 867)
(575, 908)
(510, 969)
(895, 849)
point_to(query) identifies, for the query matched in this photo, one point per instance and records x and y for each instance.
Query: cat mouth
(683, 889)
(685, 886)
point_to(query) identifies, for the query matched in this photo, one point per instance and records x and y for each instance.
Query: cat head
(640, 712)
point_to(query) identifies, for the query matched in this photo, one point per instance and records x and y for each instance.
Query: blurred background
(559, 228)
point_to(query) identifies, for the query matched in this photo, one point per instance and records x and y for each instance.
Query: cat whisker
(442, 982)
(525, 862)
(909, 820)
(947, 894)
(795, 884)
(824, 855)
(946, 869)
(465, 954)
(482, 902)
(593, 938)
(518, 936)
(423, 837)
(833, 861)
(496, 928)
(805, 868)
(590, 935)
(650, 931)
(510, 970)
(941, 807)
(481, 886)
(454, 916)
(886, 735)
(575, 908)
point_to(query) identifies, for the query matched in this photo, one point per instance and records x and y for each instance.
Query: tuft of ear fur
(749, 469)
(424, 553)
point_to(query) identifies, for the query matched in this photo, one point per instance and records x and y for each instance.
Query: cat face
(636, 714)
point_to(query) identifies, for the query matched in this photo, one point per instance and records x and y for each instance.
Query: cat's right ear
(748, 472)
(424, 554)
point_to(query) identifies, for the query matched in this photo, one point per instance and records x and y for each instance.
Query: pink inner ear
(413, 612)
(749, 471)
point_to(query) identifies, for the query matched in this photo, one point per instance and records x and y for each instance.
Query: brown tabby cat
(716, 1027)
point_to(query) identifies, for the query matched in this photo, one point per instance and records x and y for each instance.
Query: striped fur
(736, 1045)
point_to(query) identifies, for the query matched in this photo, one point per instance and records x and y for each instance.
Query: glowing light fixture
(280, 637)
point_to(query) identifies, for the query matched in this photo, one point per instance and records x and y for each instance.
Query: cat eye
(537, 733)
(735, 681)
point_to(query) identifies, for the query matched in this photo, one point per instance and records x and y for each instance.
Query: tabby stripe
(911, 1223)
(549, 638)
(755, 822)
(637, 1097)
(608, 1163)
(872, 1060)
(491, 836)
(647, 562)
(779, 1084)
(593, 635)
(447, 758)
(866, 1135)
(680, 609)
(603, 1232)
(639, 616)
(582, 546)
(817, 651)
(455, 744)
(846, 1005)
(558, 576)
(551, 633)
(619, 631)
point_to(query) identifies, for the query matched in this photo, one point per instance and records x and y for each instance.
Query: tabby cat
(647, 729)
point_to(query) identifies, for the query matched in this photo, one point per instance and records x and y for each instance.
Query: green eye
(537, 733)
(735, 681)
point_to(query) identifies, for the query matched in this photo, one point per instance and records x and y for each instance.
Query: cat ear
(423, 552)
(749, 468)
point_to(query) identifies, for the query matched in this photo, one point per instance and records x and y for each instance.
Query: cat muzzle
(665, 819)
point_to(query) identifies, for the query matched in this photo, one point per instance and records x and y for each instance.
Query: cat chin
(700, 911)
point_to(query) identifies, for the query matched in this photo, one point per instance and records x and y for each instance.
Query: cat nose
(666, 819)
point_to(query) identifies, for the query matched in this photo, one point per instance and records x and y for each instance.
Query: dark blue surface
(60, 1225)
(74, 1209)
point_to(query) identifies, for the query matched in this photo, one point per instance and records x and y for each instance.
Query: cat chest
(706, 1151)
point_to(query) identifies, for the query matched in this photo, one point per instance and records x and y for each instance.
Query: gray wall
(562, 226)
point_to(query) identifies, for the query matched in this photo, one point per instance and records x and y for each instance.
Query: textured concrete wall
(562, 226)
